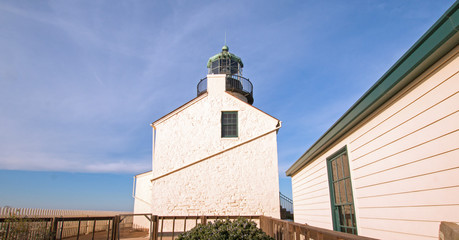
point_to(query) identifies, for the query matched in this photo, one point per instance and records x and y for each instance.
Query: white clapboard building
(389, 167)
(214, 155)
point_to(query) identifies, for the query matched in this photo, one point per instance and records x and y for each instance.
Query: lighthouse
(214, 155)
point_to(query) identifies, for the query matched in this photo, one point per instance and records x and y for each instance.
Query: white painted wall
(241, 181)
(194, 132)
(196, 171)
(403, 162)
(142, 198)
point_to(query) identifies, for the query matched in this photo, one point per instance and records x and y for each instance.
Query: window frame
(336, 207)
(229, 124)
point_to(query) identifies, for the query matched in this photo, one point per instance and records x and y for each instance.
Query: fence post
(54, 228)
(286, 231)
(203, 220)
(262, 224)
(115, 228)
(266, 225)
(448, 231)
(93, 228)
(154, 227)
(297, 232)
(320, 236)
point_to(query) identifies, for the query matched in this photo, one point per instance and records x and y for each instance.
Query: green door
(342, 199)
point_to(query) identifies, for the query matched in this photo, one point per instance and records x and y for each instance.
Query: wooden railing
(285, 230)
(171, 226)
(448, 231)
(163, 227)
(53, 228)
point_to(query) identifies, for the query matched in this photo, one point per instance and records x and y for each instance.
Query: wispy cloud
(80, 81)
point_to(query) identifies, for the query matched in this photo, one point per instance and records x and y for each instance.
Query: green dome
(224, 55)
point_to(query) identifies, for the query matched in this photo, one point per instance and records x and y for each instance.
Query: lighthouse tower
(230, 65)
(214, 155)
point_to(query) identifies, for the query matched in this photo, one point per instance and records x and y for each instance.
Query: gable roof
(434, 44)
(250, 105)
(179, 109)
(195, 100)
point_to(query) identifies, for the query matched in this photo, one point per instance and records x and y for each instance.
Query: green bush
(226, 229)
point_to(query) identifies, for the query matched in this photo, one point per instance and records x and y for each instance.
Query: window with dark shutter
(229, 124)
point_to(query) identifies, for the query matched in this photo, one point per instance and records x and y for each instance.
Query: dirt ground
(125, 234)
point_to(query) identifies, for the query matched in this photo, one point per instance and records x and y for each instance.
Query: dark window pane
(341, 218)
(348, 191)
(345, 165)
(342, 192)
(337, 199)
(349, 230)
(347, 215)
(339, 166)
(333, 166)
(229, 124)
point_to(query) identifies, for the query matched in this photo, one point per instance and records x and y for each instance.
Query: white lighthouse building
(214, 155)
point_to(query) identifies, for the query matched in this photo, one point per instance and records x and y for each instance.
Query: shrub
(226, 229)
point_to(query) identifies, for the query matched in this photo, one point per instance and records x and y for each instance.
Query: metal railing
(286, 205)
(202, 86)
(234, 83)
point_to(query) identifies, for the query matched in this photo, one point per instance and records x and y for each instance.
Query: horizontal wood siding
(311, 197)
(405, 164)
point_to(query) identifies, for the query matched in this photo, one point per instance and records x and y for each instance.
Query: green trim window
(229, 124)
(341, 197)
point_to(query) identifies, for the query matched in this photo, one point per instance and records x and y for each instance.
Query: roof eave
(192, 101)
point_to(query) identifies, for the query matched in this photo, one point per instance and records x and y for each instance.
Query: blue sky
(80, 81)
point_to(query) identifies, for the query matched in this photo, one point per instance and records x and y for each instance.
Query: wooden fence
(43, 219)
(37, 212)
(53, 228)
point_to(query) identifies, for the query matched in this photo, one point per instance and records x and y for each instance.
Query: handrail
(202, 86)
(240, 84)
(283, 197)
(276, 228)
(285, 230)
(286, 205)
(234, 83)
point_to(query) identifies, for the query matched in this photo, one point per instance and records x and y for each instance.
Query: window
(341, 197)
(229, 124)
